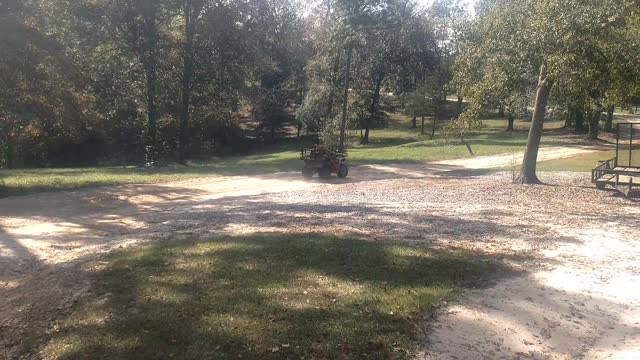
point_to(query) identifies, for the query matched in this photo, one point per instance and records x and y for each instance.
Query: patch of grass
(398, 143)
(265, 296)
(581, 163)
(19, 182)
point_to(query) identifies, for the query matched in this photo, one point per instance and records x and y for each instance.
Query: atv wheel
(343, 172)
(307, 172)
(324, 173)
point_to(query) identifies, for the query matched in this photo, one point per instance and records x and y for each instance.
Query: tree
(142, 19)
(192, 11)
(449, 23)
(426, 101)
(380, 55)
(278, 55)
(417, 59)
(44, 100)
(365, 37)
(549, 38)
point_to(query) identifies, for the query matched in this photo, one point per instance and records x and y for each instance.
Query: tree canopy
(583, 52)
(142, 81)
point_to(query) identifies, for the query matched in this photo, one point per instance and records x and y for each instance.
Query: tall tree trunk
(594, 123)
(422, 125)
(528, 170)
(436, 113)
(467, 145)
(433, 126)
(334, 80)
(510, 120)
(9, 158)
(414, 119)
(152, 119)
(568, 121)
(365, 138)
(187, 76)
(608, 125)
(579, 117)
(372, 109)
(345, 102)
(150, 64)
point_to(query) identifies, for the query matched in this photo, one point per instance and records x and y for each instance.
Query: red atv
(320, 159)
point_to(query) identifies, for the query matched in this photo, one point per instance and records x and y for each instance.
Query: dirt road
(503, 161)
(582, 303)
(578, 246)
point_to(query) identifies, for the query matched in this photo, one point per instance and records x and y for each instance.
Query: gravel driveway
(579, 248)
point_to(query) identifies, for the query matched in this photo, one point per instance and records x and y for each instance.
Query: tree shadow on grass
(117, 310)
(28, 181)
(266, 296)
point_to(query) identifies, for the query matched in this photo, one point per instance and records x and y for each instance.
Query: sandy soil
(584, 304)
(502, 161)
(578, 246)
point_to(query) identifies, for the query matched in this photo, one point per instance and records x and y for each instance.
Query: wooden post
(617, 144)
(630, 142)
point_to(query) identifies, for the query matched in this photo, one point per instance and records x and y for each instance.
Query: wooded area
(142, 81)
(159, 198)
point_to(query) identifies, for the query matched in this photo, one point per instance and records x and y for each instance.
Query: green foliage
(330, 133)
(46, 107)
(104, 80)
(469, 120)
(583, 44)
(313, 112)
(115, 81)
(382, 38)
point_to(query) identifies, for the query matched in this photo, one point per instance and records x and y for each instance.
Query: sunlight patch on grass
(265, 296)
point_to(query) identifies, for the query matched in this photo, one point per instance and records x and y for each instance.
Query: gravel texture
(578, 247)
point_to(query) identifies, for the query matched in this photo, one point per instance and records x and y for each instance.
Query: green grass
(19, 182)
(265, 296)
(398, 143)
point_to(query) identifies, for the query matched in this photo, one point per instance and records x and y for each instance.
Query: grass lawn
(265, 296)
(18, 182)
(398, 143)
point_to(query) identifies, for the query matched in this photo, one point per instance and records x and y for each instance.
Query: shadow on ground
(266, 296)
(50, 246)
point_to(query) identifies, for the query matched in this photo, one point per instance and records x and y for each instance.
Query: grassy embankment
(398, 143)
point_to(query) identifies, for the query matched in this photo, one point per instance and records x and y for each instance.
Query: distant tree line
(136, 81)
(140, 81)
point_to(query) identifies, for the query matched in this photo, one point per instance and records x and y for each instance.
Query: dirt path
(503, 161)
(584, 305)
(48, 241)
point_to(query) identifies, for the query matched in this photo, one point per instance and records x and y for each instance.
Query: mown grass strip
(265, 296)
